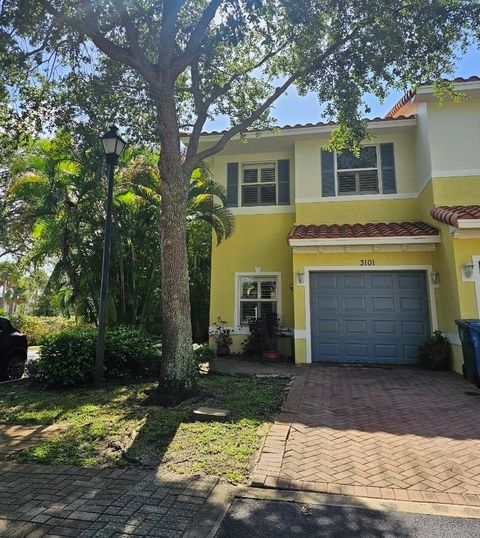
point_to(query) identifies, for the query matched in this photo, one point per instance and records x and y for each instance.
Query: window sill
(262, 209)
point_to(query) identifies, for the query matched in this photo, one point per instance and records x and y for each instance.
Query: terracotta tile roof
(411, 93)
(451, 214)
(307, 125)
(371, 229)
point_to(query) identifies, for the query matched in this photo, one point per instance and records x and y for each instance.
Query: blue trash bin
(475, 336)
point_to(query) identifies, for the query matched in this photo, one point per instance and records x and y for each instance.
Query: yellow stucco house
(362, 258)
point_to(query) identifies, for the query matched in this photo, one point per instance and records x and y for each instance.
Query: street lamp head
(113, 144)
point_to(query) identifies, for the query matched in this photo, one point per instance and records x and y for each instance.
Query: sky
(291, 108)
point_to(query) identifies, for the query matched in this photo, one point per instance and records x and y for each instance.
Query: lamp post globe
(113, 146)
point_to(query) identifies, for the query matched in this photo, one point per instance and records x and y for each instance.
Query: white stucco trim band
(355, 198)
(262, 210)
(398, 240)
(468, 223)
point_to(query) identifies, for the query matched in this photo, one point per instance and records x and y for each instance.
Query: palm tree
(56, 199)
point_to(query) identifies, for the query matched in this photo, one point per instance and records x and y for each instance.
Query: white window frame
(258, 165)
(378, 169)
(242, 329)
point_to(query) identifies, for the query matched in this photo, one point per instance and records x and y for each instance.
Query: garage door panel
(411, 304)
(354, 281)
(328, 326)
(383, 304)
(382, 281)
(384, 327)
(358, 352)
(414, 327)
(411, 282)
(326, 303)
(327, 280)
(386, 352)
(356, 327)
(381, 320)
(355, 304)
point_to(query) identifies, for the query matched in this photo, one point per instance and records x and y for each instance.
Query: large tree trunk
(178, 371)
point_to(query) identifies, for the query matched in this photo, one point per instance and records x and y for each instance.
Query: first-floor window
(258, 297)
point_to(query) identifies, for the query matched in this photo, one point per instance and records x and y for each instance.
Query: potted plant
(435, 353)
(272, 326)
(221, 334)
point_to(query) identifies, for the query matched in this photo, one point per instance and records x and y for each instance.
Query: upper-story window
(371, 172)
(358, 175)
(259, 184)
(253, 184)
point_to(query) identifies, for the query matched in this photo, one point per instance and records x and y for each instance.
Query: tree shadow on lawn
(112, 426)
(171, 440)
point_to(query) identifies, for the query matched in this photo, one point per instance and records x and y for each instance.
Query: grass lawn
(110, 426)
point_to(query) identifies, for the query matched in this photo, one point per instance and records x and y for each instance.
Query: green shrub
(203, 353)
(435, 353)
(67, 359)
(37, 327)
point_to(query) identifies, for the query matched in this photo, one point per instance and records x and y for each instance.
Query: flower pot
(223, 351)
(271, 356)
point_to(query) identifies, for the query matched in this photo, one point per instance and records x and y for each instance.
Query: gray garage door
(375, 317)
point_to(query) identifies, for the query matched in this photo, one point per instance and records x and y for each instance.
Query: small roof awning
(363, 234)
(459, 216)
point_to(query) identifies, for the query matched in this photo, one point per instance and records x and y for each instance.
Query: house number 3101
(367, 262)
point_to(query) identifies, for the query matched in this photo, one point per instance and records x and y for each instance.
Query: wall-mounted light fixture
(300, 277)
(467, 269)
(434, 278)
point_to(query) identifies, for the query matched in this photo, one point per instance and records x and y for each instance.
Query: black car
(13, 351)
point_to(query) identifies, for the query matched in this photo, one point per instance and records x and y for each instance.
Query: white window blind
(259, 184)
(358, 174)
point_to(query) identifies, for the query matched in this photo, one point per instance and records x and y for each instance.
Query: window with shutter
(259, 184)
(358, 174)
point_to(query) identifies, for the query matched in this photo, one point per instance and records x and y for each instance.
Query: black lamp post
(113, 145)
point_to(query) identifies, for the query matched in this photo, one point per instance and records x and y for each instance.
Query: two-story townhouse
(361, 257)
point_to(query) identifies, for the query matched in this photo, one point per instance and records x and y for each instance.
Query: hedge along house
(361, 258)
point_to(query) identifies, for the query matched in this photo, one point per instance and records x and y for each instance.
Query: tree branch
(192, 49)
(131, 30)
(195, 160)
(89, 28)
(170, 9)
(202, 112)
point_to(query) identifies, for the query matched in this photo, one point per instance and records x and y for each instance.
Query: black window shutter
(328, 173)
(388, 169)
(284, 182)
(232, 184)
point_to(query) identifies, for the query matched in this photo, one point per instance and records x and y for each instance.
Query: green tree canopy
(165, 66)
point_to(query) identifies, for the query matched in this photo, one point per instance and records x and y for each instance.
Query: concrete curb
(208, 520)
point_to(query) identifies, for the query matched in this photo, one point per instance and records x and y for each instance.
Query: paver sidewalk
(41, 500)
(16, 437)
(391, 433)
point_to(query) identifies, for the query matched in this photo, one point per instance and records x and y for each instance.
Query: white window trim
(236, 314)
(257, 164)
(314, 269)
(378, 169)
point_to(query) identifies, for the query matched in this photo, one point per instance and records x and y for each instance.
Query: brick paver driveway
(42, 500)
(394, 433)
